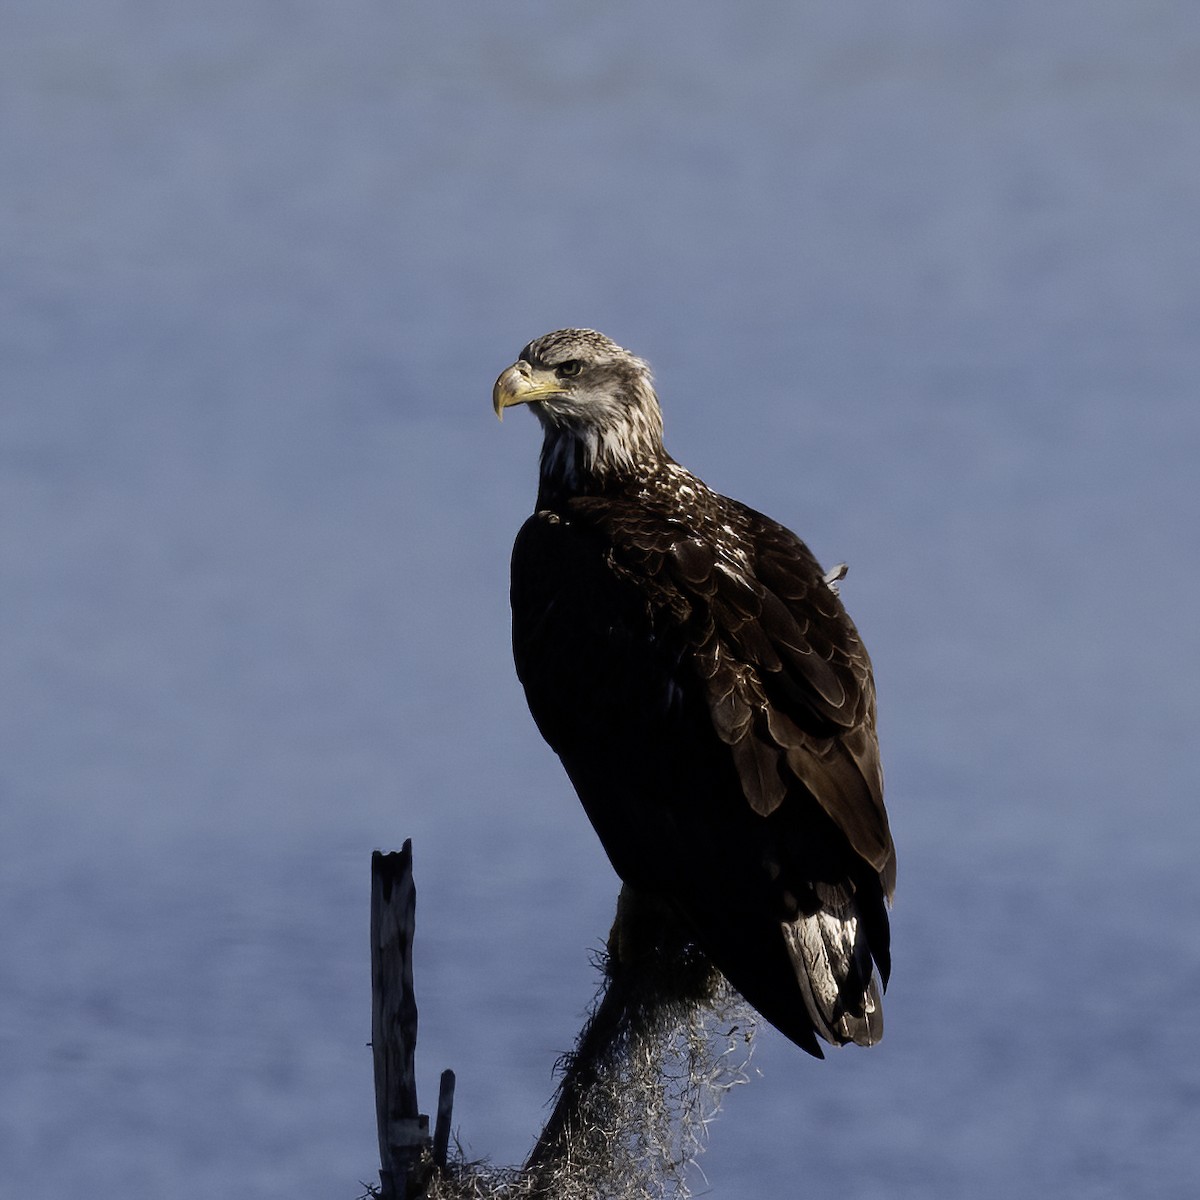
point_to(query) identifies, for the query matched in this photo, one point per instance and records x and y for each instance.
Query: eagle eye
(569, 369)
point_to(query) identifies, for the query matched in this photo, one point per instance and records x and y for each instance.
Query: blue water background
(920, 280)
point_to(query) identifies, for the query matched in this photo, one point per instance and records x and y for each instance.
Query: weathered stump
(403, 1132)
(612, 1130)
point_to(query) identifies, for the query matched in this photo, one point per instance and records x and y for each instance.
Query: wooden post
(403, 1131)
(631, 1004)
(441, 1128)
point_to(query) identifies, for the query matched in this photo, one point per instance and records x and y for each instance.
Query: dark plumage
(708, 695)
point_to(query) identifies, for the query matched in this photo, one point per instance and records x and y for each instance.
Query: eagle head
(595, 401)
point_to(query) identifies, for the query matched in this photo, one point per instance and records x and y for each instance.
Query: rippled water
(919, 281)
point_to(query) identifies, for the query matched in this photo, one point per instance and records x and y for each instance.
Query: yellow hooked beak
(523, 384)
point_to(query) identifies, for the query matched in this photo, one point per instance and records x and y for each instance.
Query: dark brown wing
(786, 658)
(713, 706)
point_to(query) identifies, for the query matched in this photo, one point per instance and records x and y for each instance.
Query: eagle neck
(590, 462)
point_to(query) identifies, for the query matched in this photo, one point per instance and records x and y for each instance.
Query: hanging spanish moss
(648, 1074)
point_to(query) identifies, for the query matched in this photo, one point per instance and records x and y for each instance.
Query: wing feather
(788, 679)
(635, 618)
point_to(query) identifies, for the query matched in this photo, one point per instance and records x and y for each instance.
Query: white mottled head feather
(604, 420)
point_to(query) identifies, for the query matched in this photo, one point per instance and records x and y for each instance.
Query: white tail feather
(829, 953)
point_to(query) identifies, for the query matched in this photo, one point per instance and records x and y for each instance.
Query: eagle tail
(833, 965)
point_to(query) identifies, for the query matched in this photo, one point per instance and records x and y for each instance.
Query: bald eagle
(713, 705)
